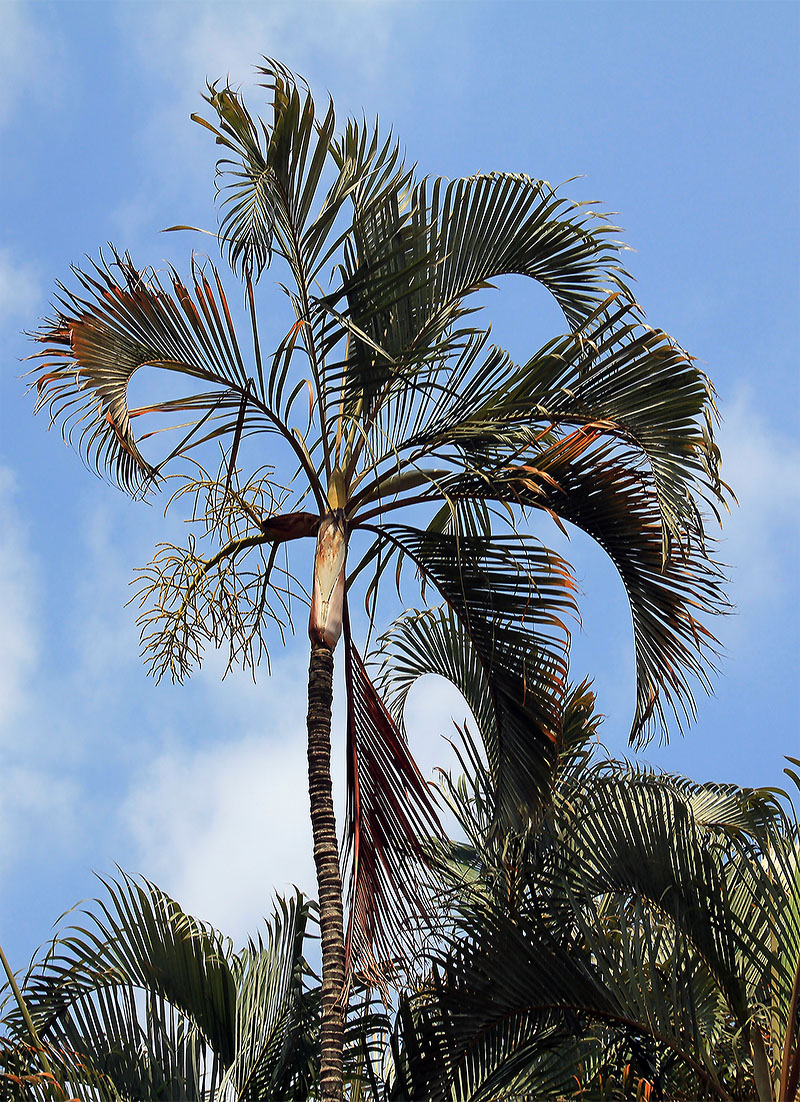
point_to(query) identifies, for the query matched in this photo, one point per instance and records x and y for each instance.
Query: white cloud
(31, 61)
(226, 40)
(433, 705)
(19, 288)
(118, 535)
(223, 827)
(33, 794)
(27, 58)
(761, 539)
(18, 614)
(37, 814)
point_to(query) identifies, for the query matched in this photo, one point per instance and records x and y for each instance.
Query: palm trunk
(324, 630)
(329, 880)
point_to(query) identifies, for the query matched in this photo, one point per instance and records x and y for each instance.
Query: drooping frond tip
(120, 319)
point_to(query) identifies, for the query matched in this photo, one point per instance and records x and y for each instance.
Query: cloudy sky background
(682, 117)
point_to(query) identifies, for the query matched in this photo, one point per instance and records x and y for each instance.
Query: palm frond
(633, 382)
(276, 1048)
(431, 642)
(622, 931)
(271, 181)
(119, 322)
(417, 254)
(502, 987)
(137, 1003)
(145, 1001)
(512, 598)
(603, 488)
(391, 822)
(638, 834)
(141, 937)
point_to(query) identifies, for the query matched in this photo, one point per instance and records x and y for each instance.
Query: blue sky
(681, 117)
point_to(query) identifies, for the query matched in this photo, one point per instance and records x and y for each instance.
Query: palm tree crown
(639, 937)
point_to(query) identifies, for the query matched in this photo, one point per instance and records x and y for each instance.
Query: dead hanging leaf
(45, 380)
(120, 438)
(391, 815)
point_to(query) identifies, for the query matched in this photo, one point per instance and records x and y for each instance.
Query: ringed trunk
(324, 629)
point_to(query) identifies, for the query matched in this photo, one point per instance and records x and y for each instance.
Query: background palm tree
(639, 937)
(140, 1000)
(385, 395)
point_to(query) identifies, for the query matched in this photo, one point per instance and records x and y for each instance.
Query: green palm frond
(430, 642)
(140, 938)
(502, 987)
(633, 833)
(512, 983)
(513, 599)
(145, 1001)
(604, 491)
(271, 180)
(123, 320)
(633, 382)
(275, 1046)
(672, 899)
(603, 487)
(601, 429)
(418, 254)
(433, 642)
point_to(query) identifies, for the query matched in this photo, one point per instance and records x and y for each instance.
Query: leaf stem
(37, 1044)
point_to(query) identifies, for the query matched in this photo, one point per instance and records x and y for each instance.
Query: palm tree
(640, 935)
(385, 395)
(140, 1000)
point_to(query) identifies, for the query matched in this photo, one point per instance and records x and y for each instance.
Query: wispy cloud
(118, 536)
(221, 820)
(20, 289)
(30, 797)
(28, 58)
(223, 827)
(226, 40)
(33, 796)
(18, 611)
(761, 539)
